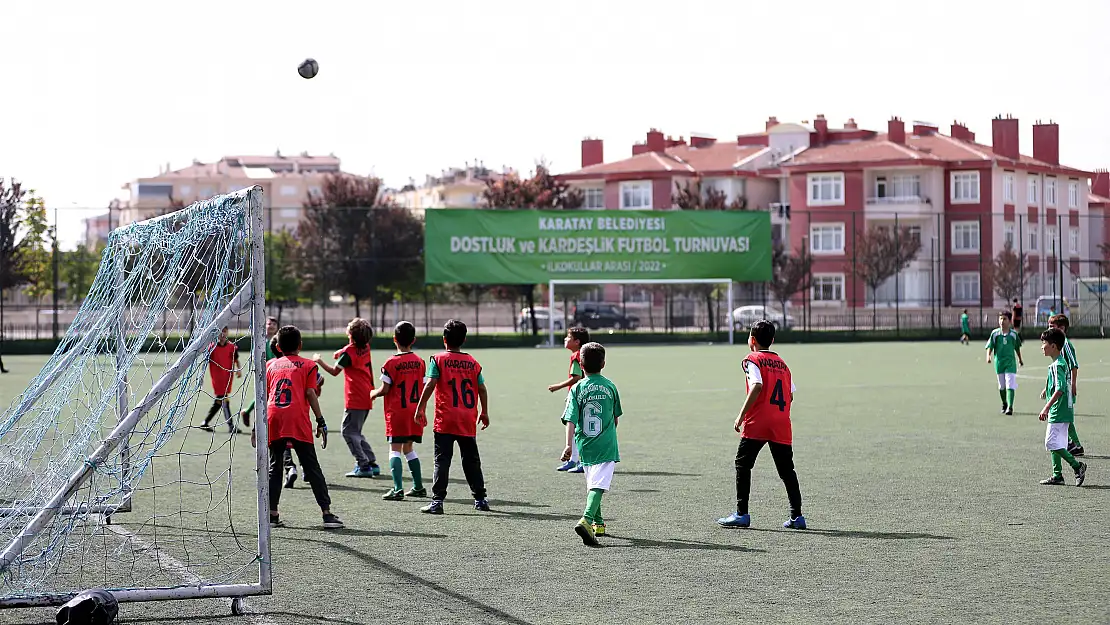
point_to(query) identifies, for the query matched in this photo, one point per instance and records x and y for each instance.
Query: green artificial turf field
(922, 500)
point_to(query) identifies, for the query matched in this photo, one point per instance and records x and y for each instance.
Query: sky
(101, 93)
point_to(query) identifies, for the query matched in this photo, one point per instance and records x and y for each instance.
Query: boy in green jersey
(1060, 409)
(591, 414)
(1004, 347)
(271, 332)
(965, 328)
(1061, 323)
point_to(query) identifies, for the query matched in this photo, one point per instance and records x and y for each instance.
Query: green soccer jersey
(593, 406)
(1068, 354)
(1059, 379)
(965, 323)
(1005, 347)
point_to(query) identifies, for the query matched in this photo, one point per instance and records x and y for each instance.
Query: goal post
(554, 283)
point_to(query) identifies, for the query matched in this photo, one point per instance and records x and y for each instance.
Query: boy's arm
(483, 396)
(380, 391)
(333, 371)
(1051, 400)
(748, 403)
(567, 383)
(1017, 350)
(321, 426)
(570, 441)
(422, 407)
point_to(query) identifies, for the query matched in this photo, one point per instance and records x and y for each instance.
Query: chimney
(1100, 184)
(851, 124)
(701, 141)
(656, 142)
(593, 152)
(821, 125)
(639, 148)
(772, 121)
(1046, 142)
(923, 129)
(896, 130)
(960, 132)
(1005, 137)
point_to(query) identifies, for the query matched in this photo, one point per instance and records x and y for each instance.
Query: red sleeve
(311, 375)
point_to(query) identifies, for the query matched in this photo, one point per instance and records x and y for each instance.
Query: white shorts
(601, 475)
(1056, 436)
(1007, 381)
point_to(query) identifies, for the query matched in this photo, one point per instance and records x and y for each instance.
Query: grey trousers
(353, 420)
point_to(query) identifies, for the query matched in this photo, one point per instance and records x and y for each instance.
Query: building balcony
(901, 205)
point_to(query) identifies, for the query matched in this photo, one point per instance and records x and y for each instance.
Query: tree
(879, 255)
(35, 257)
(790, 273)
(79, 269)
(283, 280)
(1010, 273)
(11, 245)
(691, 196)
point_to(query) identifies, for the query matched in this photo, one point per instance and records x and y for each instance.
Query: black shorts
(398, 440)
(1017, 323)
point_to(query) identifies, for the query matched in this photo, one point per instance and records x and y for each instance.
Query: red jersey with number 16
(456, 376)
(769, 418)
(288, 379)
(404, 373)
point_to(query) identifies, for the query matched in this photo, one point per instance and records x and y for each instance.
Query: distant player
(1017, 311)
(457, 381)
(358, 388)
(402, 384)
(271, 332)
(1061, 323)
(223, 360)
(592, 410)
(765, 420)
(291, 390)
(576, 337)
(1004, 347)
(965, 328)
(1060, 409)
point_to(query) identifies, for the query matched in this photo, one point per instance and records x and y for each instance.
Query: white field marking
(174, 565)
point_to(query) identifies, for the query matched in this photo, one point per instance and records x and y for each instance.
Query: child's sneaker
(1009, 410)
(566, 466)
(796, 523)
(275, 521)
(435, 507)
(586, 531)
(206, 428)
(1081, 474)
(599, 529)
(1004, 407)
(361, 472)
(1055, 480)
(375, 469)
(291, 478)
(245, 417)
(481, 505)
(735, 520)
(394, 495)
(417, 492)
(1075, 450)
(578, 468)
(332, 522)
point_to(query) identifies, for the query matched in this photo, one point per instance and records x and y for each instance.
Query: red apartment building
(965, 200)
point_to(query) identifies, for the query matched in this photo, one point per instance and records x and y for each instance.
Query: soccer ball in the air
(308, 68)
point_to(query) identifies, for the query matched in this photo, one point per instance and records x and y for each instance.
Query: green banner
(534, 246)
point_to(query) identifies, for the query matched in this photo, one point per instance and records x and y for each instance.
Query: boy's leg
(290, 467)
(444, 450)
(598, 479)
(1073, 436)
(396, 465)
(472, 466)
(414, 467)
(225, 404)
(1002, 390)
(277, 464)
(784, 462)
(1011, 388)
(746, 453)
(216, 405)
(306, 453)
(592, 513)
(353, 421)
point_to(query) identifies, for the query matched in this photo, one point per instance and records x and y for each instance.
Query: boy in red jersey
(402, 384)
(223, 359)
(454, 377)
(765, 419)
(358, 388)
(291, 391)
(575, 339)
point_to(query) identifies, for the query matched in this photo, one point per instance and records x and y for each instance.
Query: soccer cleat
(206, 428)
(1075, 450)
(360, 472)
(394, 495)
(332, 522)
(578, 468)
(435, 507)
(1009, 410)
(290, 479)
(599, 529)
(735, 520)
(417, 492)
(1055, 480)
(796, 523)
(586, 531)
(1004, 409)
(375, 469)
(246, 418)
(481, 505)
(275, 521)
(566, 466)
(1081, 474)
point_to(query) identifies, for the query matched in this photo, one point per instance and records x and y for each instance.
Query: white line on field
(174, 565)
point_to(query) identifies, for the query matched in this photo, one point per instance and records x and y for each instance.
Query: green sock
(1002, 396)
(1010, 397)
(593, 506)
(1073, 436)
(395, 466)
(414, 468)
(1057, 466)
(1068, 458)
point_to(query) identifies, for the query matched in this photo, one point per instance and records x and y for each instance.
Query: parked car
(595, 315)
(745, 316)
(543, 319)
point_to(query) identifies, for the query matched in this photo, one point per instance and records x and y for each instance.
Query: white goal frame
(250, 299)
(551, 284)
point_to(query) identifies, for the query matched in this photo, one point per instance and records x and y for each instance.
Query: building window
(288, 190)
(315, 192)
(1034, 237)
(206, 192)
(1009, 234)
(899, 187)
(828, 287)
(1073, 240)
(1031, 190)
(185, 190)
(826, 189)
(1050, 242)
(965, 237)
(1073, 194)
(594, 198)
(155, 190)
(636, 195)
(914, 232)
(965, 186)
(1050, 192)
(826, 238)
(1008, 188)
(290, 213)
(965, 287)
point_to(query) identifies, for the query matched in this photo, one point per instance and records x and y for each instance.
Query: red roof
(1097, 199)
(680, 159)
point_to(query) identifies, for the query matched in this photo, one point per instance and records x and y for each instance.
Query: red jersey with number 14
(404, 373)
(456, 377)
(769, 418)
(288, 379)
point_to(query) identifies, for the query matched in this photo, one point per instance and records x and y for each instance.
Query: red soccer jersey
(221, 362)
(576, 365)
(358, 376)
(456, 376)
(769, 418)
(288, 379)
(404, 373)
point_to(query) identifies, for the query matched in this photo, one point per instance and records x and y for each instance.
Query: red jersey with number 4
(456, 376)
(404, 373)
(769, 418)
(221, 362)
(288, 379)
(358, 376)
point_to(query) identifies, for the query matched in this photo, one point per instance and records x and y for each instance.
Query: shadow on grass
(382, 486)
(526, 516)
(656, 474)
(1094, 457)
(1095, 487)
(283, 617)
(643, 490)
(673, 545)
(856, 534)
(494, 503)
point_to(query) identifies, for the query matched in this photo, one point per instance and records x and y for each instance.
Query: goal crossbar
(551, 284)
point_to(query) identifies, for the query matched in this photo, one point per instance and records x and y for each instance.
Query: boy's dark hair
(405, 334)
(592, 356)
(289, 340)
(274, 319)
(580, 334)
(965, 311)
(763, 332)
(225, 329)
(1007, 314)
(274, 347)
(454, 334)
(1053, 336)
(1059, 320)
(360, 332)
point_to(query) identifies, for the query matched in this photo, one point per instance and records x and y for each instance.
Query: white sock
(395, 454)
(574, 453)
(411, 456)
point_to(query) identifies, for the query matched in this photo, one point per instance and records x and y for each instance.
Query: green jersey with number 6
(593, 406)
